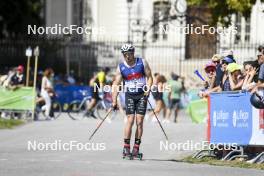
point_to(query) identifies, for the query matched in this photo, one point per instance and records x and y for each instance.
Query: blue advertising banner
(230, 118)
(66, 94)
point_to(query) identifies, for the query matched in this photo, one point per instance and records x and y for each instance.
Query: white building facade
(165, 44)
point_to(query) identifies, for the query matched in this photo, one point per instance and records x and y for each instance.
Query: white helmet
(127, 48)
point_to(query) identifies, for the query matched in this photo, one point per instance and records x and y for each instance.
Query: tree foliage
(222, 10)
(15, 15)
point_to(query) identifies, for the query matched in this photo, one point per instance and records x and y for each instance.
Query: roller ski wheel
(139, 156)
(136, 154)
(128, 156)
(126, 153)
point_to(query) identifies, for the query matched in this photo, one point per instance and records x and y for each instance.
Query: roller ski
(136, 154)
(126, 152)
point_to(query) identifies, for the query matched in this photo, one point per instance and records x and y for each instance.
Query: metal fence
(85, 58)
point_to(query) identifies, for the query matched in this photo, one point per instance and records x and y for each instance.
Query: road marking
(3, 159)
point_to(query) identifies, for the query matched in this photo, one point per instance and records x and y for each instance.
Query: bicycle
(55, 111)
(78, 109)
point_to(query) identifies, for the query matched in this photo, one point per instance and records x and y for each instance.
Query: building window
(243, 29)
(238, 25)
(161, 11)
(247, 29)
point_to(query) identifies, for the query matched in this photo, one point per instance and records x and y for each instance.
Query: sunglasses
(216, 62)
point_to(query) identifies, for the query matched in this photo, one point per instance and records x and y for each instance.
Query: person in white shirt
(47, 91)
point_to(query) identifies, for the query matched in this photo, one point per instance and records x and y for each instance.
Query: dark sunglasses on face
(216, 62)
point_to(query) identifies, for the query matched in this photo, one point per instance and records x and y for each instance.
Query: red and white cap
(20, 68)
(210, 64)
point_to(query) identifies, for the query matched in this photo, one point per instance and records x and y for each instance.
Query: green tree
(15, 15)
(223, 9)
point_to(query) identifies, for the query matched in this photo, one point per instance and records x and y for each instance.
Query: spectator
(250, 75)
(216, 59)
(47, 91)
(210, 83)
(235, 76)
(229, 54)
(157, 93)
(260, 83)
(18, 79)
(225, 84)
(176, 87)
(210, 69)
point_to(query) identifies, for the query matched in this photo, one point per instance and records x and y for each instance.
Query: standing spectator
(260, 83)
(157, 93)
(47, 91)
(210, 83)
(225, 84)
(229, 54)
(235, 76)
(250, 74)
(216, 59)
(174, 96)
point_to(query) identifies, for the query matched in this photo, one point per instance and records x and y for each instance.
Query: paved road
(16, 159)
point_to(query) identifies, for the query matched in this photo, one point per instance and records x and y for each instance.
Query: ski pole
(98, 126)
(158, 121)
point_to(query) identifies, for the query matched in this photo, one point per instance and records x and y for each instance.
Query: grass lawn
(212, 161)
(6, 123)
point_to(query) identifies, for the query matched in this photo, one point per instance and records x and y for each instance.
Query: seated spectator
(235, 76)
(18, 79)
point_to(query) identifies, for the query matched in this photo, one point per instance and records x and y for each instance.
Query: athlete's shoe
(126, 151)
(135, 153)
(135, 150)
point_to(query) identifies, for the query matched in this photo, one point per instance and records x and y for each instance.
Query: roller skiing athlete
(137, 80)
